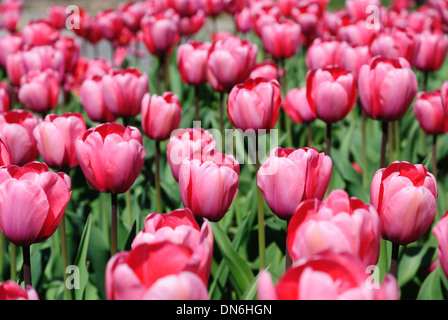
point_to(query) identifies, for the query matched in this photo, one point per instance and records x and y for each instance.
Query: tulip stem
(158, 192)
(63, 232)
(26, 265)
(434, 156)
(113, 224)
(425, 81)
(196, 102)
(288, 259)
(13, 264)
(394, 259)
(364, 147)
(309, 135)
(260, 213)
(328, 139)
(221, 117)
(384, 129)
(390, 136)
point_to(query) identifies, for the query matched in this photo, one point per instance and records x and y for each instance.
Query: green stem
(309, 134)
(113, 224)
(365, 170)
(434, 156)
(394, 259)
(13, 264)
(158, 191)
(63, 232)
(288, 259)
(384, 129)
(328, 139)
(129, 205)
(196, 102)
(221, 118)
(26, 265)
(260, 215)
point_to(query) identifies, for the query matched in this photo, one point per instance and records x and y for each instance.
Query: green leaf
(431, 288)
(81, 259)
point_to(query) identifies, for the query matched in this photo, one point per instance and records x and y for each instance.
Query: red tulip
(440, 231)
(323, 53)
(16, 129)
(297, 107)
(160, 270)
(405, 197)
(331, 93)
(88, 27)
(39, 33)
(57, 16)
(10, 290)
(33, 201)
(281, 39)
(160, 115)
(56, 137)
(328, 276)
(132, 13)
(111, 156)
(208, 184)
(230, 62)
(290, 176)
(386, 88)
(192, 62)
(340, 223)
(123, 91)
(430, 50)
(9, 43)
(39, 91)
(71, 48)
(92, 100)
(254, 104)
(183, 143)
(430, 113)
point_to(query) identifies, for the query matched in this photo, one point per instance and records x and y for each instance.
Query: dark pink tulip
(243, 20)
(33, 201)
(264, 13)
(111, 156)
(266, 69)
(71, 48)
(323, 53)
(39, 91)
(110, 24)
(297, 107)
(184, 7)
(208, 184)
(430, 50)
(357, 33)
(39, 33)
(440, 231)
(327, 276)
(172, 272)
(192, 62)
(56, 137)
(160, 32)
(353, 57)
(254, 104)
(213, 8)
(160, 115)
(394, 44)
(86, 68)
(339, 223)
(281, 39)
(5, 97)
(92, 100)
(16, 129)
(307, 16)
(189, 26)
(183, 143)
(57, 16)
(5, 157)
(357, 8)
(230, 62)
(123, 91)
(331, 93)
(89, 28)
(424, 18)
(404, 196)
(11, 14)
(290, 176)
(11, 290)
(386, 88)
(132, 13)
(430, 113)
(9, 43)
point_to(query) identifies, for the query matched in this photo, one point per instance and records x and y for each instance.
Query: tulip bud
(192, 62)
(297, 107)
(429, 111)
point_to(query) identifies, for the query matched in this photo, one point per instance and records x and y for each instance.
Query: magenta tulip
(440, 231)
(281, 39)
(5, 157)
(110, 24)
(9, 44)
(192, 62)
(430, 50)
(394, 44)
(71, 48)
(92, 100)
(430, 113)
(297, 107)
(322, 53)
(40, 33)
(353, 57)
(183, 7)
(267, 69)
(10, 290)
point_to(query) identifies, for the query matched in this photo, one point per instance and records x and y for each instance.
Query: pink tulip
(264, 13)
(230, 62)
(267, 70)
(357, 33)
(189, 26)
(404, 196)
(340, 223)
(297, 107)
(353, 57)
(88, 27)
(183, 143)
(331, 93)
(110, 24)
(160, 115)
(386, 88)
(56, 137)
(57, 16)
(33, 201)
(290, 176)
(322, 53)
(440, 231)
(328, 276)
(281, 39)
(71, 48)
(160, 270)
(9, 43)
(357, 8)
(111, 156)
(430, 113)
(208, 184)
(5, 157)
(430, 50)
(92, 100)
(11, 14)
(243, 20)
(184, 7)
(394, 44)
(16, 129)
(40, 33)
(10, 290)
(39, 91)
(213, 8)
(192, 62)
(123, 91)
(132, 13)
(86, 68)
(254, 104)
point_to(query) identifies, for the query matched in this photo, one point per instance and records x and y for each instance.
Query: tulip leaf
(81, 259)
(432, 288)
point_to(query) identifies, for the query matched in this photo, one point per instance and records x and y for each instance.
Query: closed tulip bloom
(33, 201)
(357, 33)
(444, 96)
(208, 184)
(10, 290)
(171, 273)
(40, 33)
(183, 143)
(353, 57)
(230, 62)
(323, 53)
(192, 62)
(254, 104)
(9, 44)
(92, 100)
(39, 91)
(340, 223)
(430, 50)
(266, 69)
(386, 88)
(183, 7)
(213, 7)
(290, 176)
(440, 231)
(160, 115)
(243, 20)
(189, 26)
(123, 91)
(16, 129)
(57, 16)
(327, 276)
(357, 8)
(404, 196)
(5, 157)
(71, 48)
(331, 93)
(281, 39)
(110, 24)
(56, 137)
(430, 113)
(396, 43)
(111, 156)
(86, 69)
(297, 107)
